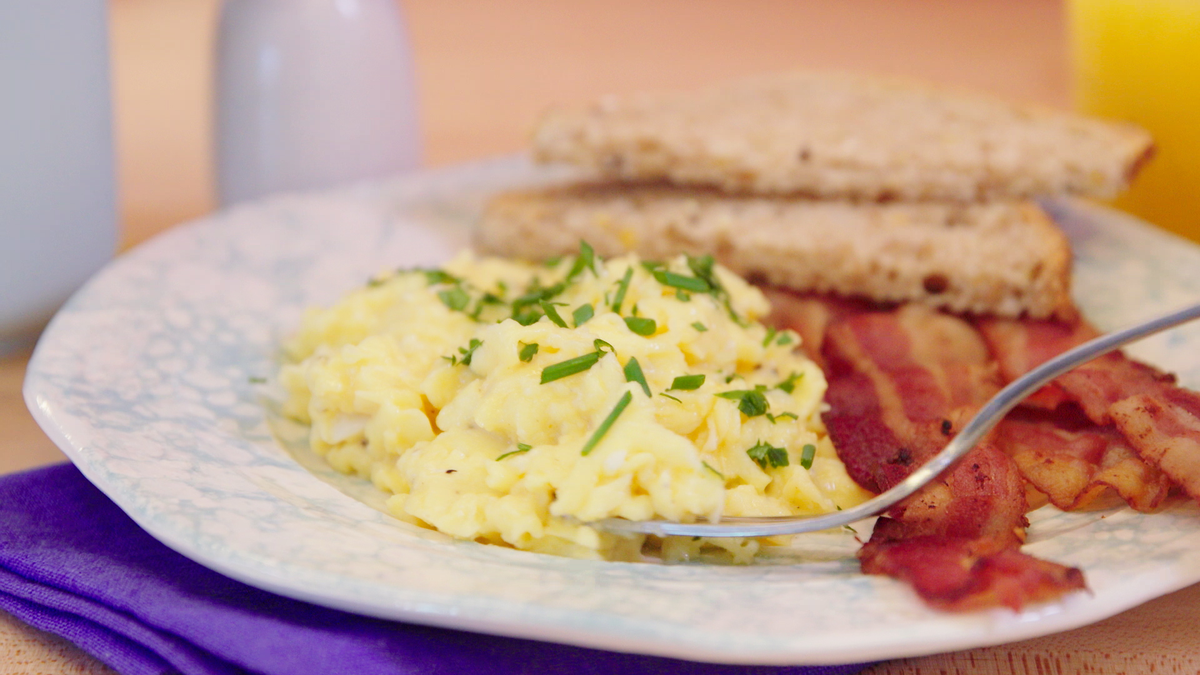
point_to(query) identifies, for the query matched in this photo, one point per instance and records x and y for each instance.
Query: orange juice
(1139, 60)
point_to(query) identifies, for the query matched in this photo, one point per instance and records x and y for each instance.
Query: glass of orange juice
(1139, 60)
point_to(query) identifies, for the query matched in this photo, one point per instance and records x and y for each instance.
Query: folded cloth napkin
(73, 564)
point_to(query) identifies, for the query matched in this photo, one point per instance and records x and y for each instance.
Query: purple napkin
(73, 564)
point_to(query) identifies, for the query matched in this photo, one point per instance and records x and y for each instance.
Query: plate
(150, 380)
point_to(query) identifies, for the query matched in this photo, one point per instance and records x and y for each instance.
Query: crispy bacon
(1072, 461)
(901, 382)
(1159, 420)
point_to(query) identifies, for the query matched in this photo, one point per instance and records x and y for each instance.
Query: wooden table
(485, 72)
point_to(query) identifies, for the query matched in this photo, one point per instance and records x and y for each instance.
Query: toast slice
(1005, 258)
(846, 136)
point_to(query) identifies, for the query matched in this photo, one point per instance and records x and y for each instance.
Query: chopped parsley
(765, 454)
(633, 373)
(527, 351)
(752, 402)
(687, 383)
(607, 423)
(641, 325)
(454, 298)
(789, 385)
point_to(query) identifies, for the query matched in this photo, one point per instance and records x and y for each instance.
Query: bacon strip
(1073, 461)
(900, 383)
(1159, 420)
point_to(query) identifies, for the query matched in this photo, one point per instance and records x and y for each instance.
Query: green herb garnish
(641, 325)
(765, 455)
(582, 314)
(527, 351)
(607, 423)
(521, 447)
(789, 385)
(665, 394)
(706, 465)
(585, 260)
(633, 373)
(807, 453)
(687, 382)
(257, 380)
(570, 367)
(552, 314)
(770, 336)
(469, 351)
(694, 284)
(454, 298)
(751, 402)
(622, 289)
(785, 338)
(433, 277)
(699, 326)
(781, 416)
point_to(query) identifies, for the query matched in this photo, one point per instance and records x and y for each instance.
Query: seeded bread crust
(1005, 258)
(834, 135)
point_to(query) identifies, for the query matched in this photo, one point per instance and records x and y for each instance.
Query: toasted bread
(1005, 258)
(846, 136)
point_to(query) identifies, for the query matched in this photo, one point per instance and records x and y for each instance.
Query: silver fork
(987, 417)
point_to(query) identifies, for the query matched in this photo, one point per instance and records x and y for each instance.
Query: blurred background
(485, 70)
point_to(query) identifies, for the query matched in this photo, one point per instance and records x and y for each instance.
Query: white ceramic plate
(147, 380)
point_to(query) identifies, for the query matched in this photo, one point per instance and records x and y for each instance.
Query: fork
(983, 421)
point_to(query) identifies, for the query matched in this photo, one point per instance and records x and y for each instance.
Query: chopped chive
(607, 423)
(601, 345)
(433, 277)
(687, 382)
(781, 416)
(521, 447)
(641, 325)
(751, 402)
(789, 385)
(552, 314)
(552, 262)
(633, 373)
(680, 281)
(682, 295)
(585, 260)
(770, 336)
(374, 282)
(527, 318)
(527, 351)
(652, 265)
(785, 338)
(257, 380)
(765, 454)
(699, 326)
(582, 314)
(455, 298)
(622, 289)
(707, 466)
(569, 367)
(732, 377)
(665, 394)
(807, 453)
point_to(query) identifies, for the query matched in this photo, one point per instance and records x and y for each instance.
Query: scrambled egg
(511, 403)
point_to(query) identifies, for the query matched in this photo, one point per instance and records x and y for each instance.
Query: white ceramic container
(58, 219)
(310, 94)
